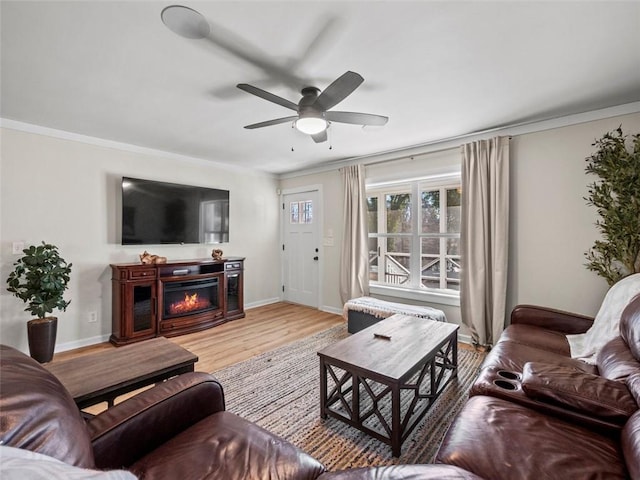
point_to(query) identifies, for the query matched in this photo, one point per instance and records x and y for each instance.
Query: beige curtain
(485, 237)
(354, 265)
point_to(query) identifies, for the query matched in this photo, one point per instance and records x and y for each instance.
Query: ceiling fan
(313, 116)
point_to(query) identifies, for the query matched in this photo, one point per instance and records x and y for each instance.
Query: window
(301, 212)
(414, 236)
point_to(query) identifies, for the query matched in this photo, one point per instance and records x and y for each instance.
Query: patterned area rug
(279, 390)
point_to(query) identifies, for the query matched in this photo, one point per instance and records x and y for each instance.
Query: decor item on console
(217, 254)
(617, 197)
(39, 279)
(148, 259)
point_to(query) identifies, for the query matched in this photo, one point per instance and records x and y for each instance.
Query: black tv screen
(156, 213)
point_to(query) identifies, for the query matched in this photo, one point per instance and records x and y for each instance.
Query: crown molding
(455, 142)
(127, 147)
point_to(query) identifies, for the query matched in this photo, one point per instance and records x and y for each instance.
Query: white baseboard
(464, 339)
(261, 303)
(328, 309)
(85, 342)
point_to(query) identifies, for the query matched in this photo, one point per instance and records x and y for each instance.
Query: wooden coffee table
(395, 368)
(103, 376)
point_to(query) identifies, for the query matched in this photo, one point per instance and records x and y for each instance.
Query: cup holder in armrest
(509, 375)
(507, 385)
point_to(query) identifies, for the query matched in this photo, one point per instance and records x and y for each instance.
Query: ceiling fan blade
(320, 137)
(185, 21)
(340, 89)
(357, 118)
(268, 123)
(258, 92)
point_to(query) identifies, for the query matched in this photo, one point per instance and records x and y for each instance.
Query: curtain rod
(424, 145)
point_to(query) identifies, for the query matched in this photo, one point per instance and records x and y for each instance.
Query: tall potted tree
(616, 195)
(39, 279)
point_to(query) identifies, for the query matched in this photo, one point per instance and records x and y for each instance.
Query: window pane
(397, 260)
(373, 260)
(372, 214)
(398, 213)
(453, 210)
(453, 273)
(430, 271)
(430, 246)
(453, 246)
(431, 211)
(306, 208)
(294, 214)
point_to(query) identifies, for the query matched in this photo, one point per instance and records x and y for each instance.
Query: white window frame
(415, 290)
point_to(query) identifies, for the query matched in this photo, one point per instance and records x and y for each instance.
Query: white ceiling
(112, 70)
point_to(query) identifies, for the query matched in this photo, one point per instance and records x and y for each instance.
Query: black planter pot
(41, 333)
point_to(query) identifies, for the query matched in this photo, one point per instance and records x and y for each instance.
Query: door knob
(315, 258)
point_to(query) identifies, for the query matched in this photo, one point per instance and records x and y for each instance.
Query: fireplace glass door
(143, 314)
(190, 297)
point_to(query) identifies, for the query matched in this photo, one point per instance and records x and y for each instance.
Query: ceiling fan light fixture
(311, 125)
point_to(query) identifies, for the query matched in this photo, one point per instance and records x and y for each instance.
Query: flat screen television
(155, 213)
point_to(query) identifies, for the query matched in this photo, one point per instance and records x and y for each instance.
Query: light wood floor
(263, 329)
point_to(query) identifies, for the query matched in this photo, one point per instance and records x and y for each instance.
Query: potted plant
(39, 279)
(617, 197)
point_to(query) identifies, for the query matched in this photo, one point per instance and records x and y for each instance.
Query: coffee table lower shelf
(386, 408)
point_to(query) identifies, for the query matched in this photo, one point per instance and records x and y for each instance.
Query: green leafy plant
(616, 195)
(40, 279)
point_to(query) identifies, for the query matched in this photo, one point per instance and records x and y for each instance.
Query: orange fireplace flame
(190, 303)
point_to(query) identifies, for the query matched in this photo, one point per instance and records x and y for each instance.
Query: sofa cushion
(224, 445)
(511, 356)
(633, 384)
(534, 336)
(630, 326)
(591, 394)
(507, 386)
(402, 472)
(497, 439)
(38, 414)
(615, 360)
(630, 441)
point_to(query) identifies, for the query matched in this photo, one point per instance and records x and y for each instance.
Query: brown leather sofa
(177, 430)
(533, 413)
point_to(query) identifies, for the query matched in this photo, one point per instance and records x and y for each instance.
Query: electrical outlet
(93, 317)
(17, 248)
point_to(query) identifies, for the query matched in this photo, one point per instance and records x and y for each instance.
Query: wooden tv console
(156, 300)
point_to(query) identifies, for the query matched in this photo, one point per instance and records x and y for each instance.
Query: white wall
(67, 193)
(551, 224)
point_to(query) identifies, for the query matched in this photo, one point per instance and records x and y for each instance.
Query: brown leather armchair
(178, 429)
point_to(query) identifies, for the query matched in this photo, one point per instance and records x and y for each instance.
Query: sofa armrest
(551, 319)
(138, 425)
(574, 389)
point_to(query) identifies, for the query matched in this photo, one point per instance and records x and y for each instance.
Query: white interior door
(301, 257)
